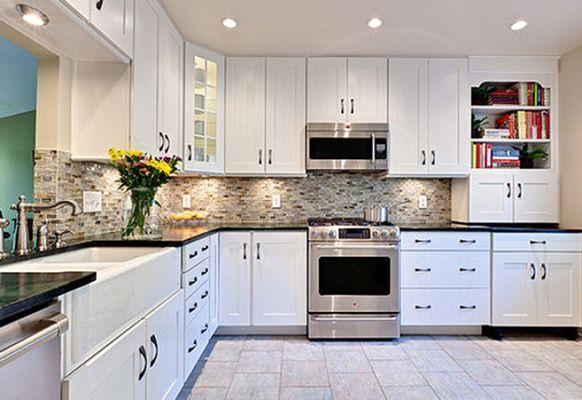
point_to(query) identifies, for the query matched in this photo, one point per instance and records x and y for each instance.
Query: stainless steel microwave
(347, 147)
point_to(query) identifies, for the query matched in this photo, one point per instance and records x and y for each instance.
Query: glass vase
(139, 223)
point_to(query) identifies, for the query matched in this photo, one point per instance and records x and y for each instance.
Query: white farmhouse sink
(130, 283)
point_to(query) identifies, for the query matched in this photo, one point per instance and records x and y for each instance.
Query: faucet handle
(59, 242)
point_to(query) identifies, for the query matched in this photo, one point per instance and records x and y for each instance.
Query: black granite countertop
(24, 292)
(544, 228)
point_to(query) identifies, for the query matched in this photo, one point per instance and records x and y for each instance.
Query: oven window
(356, 276)
(340, 148)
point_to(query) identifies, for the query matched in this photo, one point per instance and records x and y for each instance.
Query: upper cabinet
(157, 82)
(347, 90)
(428, 116)
(204, 110)
(83, 7)
(114, 19)
(265, 116)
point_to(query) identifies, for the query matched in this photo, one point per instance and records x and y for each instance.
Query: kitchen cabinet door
(165, 344)
(327, 81)
(235, 279)
(536, 197)
(114, 19)
(559, 290)
(204, 110)
(145, 135)
(279, 278)
(118, 372)
(449, 110)
(169, 89)
(408, 116)
(245, 115)
(285, 116)
(491, 196)
(514, 289)
(367, 90)
(213, 301)
(81, 6)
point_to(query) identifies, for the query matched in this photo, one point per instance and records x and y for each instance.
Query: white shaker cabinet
(263, 278)
(265, 116)
(214, 282)
(114, 19)
(428, 116)
(279, 279)
(81, 6)
(537, 197)
(347, 89)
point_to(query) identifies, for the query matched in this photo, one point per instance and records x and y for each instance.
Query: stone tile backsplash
(57, 177)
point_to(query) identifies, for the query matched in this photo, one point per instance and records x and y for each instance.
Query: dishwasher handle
(52, 328)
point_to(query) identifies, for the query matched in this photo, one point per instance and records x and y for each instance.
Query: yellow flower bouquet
(142, 175)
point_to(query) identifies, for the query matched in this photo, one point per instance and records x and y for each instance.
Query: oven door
(352, 277)
(349, 150)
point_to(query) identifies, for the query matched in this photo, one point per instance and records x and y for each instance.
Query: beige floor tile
(384, 351)
(397, 373)
(259, 362)
(226, 350)
(552, 385)
(512, 393)
(355, 387)
(454, 386)
(519, 360)
(410, 393)
(490, 372)
(263, 343)
(464, 349)
(571, 369)
(299, 393)
(418, 343)
(208, 394)
(216, 374)
(433, 360)
(341, 345)
(347, 360)
(304, 373)
(254, 387)
(302, 350)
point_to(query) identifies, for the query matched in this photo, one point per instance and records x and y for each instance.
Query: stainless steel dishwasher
(30, 353)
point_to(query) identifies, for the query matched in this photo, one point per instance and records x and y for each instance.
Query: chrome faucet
(21, 239)
(3, 225)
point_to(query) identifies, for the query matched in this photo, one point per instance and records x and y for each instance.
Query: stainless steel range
(353, 279)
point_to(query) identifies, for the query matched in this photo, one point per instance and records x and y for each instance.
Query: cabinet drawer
(445, 307)
(433, 269)
(194, 278)
(537, 242)
(197, 302)
(196, 338)
(195, 252)
(445, 241)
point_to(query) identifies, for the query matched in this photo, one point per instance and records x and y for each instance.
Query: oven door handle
(344, 247)
(373, 137)
(352, 318)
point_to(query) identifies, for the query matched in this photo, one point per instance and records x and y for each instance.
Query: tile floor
(413, 367)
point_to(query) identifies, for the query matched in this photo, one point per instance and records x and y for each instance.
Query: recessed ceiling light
(518, 25)
(229, 23)
(375, 23)
(32, 15)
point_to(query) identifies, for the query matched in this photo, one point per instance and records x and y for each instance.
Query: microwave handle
(373, 149)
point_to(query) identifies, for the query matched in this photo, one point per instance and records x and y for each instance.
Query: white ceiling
(411, 27)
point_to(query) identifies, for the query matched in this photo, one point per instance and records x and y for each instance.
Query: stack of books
(533, 94)
(486, 155)
(526, 124)
(497, 133)
(503, 95)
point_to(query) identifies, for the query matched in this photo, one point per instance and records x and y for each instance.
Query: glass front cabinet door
(204, 116)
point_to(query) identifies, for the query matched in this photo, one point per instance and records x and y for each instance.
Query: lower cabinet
(536, 289)
(142, 363)
(263, 278)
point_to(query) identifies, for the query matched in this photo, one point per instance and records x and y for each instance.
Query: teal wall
(16, 159)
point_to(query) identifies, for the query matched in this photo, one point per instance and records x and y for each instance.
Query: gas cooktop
(350, 229)
(343, 222)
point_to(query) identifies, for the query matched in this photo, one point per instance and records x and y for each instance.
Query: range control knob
(332, 234)
(375, 234)
(385, 234)
(315, 234)
(394, 233)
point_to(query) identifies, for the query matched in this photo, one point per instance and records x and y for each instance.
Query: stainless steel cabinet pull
(258, 251)
(154, 341)
(194, 345)
(204, 329)
(204, 248)
(193, 308)
(189, 152)
(422, 240)
(462, 269)
(270, 156)
(143, 354)
(537, 242)
(192, 255)
(260, 156)
(519, 190)
(473, 241)
(423, 307)
(422, 269)
(342, 106)
(193, 281)
(205, 295)
(508, 190)
(533, 275)
(423, 154)
(544, 272)
(433, 153)
(352, 106)
(462, 307)
(204, 272)
(244, 251)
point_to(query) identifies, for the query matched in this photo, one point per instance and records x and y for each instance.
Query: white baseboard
(262, 330)
(441, 330)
